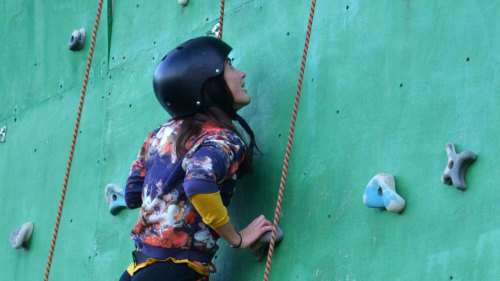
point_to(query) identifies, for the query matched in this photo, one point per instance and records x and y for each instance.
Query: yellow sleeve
(211, 209)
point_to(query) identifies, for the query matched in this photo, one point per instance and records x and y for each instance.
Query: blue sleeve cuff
(133, 199)
(195, 186)
(133, 192)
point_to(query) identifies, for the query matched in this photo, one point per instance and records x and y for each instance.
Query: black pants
(165, 271)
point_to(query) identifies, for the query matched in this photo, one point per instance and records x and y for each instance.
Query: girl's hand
(254, 230)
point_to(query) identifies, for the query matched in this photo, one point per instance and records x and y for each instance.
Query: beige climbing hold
(21, 236)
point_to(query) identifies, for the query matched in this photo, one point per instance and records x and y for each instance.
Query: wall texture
(387, 85)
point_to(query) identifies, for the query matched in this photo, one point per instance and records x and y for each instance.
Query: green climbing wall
(387, 85)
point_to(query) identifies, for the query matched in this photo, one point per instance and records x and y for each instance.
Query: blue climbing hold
(381, 193)
(115, 198)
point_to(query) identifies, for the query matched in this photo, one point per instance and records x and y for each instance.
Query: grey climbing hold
(182, 2)
(77, 39)
(261, 246)
(115, 198)
(21, 236)
(457, 166)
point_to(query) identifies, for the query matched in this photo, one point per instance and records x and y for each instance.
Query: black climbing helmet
(179, 77)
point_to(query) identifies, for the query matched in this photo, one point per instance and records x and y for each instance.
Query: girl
(186, 170)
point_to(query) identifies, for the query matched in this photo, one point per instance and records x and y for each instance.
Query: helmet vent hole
(180, 48)
(164, 58)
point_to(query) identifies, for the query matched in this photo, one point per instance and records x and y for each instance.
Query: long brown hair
(215, 91)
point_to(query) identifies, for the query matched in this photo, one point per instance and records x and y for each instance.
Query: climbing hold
(21, 236)
(77, 40)
(3, 132)
(261, 246)
(381, 193)
(214, 31)
(455, 170)
(115, 198)
(182, 2)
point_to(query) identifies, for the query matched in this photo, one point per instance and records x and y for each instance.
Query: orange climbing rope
(289, 146)
(75, 134)
(221, 18)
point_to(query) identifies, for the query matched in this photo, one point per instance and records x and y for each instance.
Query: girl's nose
(243, 74)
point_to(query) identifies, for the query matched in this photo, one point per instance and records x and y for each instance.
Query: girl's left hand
(254, 230)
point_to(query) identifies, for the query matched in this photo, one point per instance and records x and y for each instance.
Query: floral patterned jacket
(160, 183)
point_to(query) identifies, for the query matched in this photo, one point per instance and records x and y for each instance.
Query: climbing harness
(141, 260)
(289, 146)
(73, 142)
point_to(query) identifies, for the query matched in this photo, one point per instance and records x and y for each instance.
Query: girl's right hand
(254, 230)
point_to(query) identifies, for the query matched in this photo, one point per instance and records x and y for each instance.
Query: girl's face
(235, 80)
